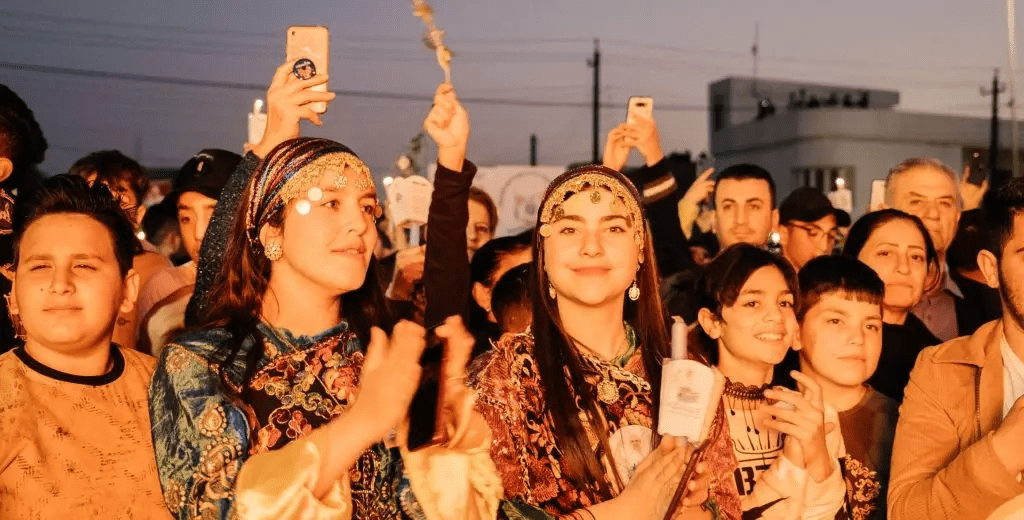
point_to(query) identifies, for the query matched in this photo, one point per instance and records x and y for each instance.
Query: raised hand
(802, 419)
(701, 189)
(970, 193)
(409, 266)
(643, 134)
(389, 378)
(447, 124)
(288, 100)
(616, 151)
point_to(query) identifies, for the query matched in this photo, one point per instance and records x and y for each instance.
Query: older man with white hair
(928, 189)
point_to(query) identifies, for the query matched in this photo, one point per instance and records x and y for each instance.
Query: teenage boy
(163, 299)
(839, 343)
(73, 406)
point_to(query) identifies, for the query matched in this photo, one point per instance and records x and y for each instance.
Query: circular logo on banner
(304, 69)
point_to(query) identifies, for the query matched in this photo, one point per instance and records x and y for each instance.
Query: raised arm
(287, 104)
(659, 186)
(446, 268)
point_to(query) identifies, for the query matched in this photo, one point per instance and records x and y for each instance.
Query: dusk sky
(935, 52)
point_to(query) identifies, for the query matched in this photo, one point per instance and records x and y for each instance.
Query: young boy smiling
(73, 406)
(839, 342)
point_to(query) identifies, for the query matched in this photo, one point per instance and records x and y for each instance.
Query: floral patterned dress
(511, 398)
(202, 437)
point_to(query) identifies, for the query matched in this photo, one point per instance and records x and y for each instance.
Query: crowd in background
(250, 345)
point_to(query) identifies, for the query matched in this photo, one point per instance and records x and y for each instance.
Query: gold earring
(634, 292)
(273, 251)
(551, 291)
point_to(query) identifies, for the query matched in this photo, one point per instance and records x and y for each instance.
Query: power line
(253, 87)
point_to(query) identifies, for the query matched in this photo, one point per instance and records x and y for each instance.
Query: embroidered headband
(592, 177)
(293, 171)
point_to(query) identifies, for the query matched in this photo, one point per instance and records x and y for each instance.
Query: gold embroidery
(212, 421)
(174, 495)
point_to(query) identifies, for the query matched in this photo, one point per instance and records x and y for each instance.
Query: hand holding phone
(287, 104)
(307, 49)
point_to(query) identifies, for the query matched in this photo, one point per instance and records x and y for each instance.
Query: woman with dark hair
(787, 461)
(573, 403)
(899, 249)
(277, 404)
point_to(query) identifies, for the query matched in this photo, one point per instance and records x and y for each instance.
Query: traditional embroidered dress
(512, 400)
(770, 485)
(202, 437)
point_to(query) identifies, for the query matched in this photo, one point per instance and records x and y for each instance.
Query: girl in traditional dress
(277, 405)
(573, 402)
(787, 458)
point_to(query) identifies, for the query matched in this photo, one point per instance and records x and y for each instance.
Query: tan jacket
(943, 464)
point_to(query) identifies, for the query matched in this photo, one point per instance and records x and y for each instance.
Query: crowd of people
(250, 347)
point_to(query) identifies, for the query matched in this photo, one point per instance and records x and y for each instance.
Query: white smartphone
(642, 105)
(308, 50)
(877, 194)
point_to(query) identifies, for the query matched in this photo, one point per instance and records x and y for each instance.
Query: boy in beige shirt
(73, 405)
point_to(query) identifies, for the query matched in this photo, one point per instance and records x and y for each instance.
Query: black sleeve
(215, 242)
(661, 194)
(446, 268)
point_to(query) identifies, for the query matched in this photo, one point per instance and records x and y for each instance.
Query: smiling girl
(787, 465)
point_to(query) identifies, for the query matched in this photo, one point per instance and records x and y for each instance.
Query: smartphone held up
(307, 49)
(639, 105)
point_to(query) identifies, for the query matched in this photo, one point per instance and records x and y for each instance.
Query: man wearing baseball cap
(809, 225)
(195, 193)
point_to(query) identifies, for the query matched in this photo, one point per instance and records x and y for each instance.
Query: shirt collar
(949, 284)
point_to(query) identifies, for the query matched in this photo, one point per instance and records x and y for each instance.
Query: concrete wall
(870, 141)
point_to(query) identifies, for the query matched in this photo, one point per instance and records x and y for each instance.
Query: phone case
(643, 105)
(307, 48)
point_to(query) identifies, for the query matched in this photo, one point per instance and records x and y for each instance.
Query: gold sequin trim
(310, 176)
(552, 211)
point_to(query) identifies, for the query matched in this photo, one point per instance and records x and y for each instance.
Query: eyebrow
(752, 199)
(79, 256)
(606, 218)
(916, 194)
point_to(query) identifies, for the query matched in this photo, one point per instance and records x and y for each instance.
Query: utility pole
(993, 142)
(595, 63)
(533, 149)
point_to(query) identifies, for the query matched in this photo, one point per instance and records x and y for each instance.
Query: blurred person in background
(196, 190)
(128, 181)
(22, 149)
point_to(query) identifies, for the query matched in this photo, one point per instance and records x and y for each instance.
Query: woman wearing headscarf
(279, 401)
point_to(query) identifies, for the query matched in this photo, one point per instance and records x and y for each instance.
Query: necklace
(607, 388)
(745, 392)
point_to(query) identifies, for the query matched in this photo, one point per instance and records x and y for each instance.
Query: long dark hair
(235, 301)
(558, 360)
(866, 226)
(723, 279)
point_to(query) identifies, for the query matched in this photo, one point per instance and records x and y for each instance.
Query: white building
(819, 133)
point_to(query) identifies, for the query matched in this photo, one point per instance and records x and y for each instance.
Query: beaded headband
(299, 178)
(595, 178)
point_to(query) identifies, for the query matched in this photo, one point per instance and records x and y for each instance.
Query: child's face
(841, 339)
(759, 327)
(68, 287)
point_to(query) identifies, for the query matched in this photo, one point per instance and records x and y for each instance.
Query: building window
(825, 178)
(718, 113)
